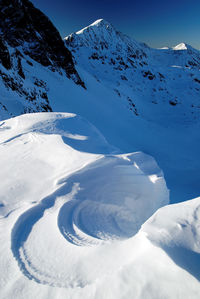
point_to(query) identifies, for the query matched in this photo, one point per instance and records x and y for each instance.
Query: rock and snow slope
(71, 215)
(154, 96)
(159, 85)
(30, 48)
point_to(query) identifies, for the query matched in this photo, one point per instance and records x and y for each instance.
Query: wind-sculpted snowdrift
(71, 211)
(104, 202)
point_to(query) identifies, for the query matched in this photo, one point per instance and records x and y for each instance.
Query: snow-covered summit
(98, 23)
(104, 38)
(181, 46)
(149, 80)
(188, 53)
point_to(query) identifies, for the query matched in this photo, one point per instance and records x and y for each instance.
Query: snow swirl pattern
(97, 207)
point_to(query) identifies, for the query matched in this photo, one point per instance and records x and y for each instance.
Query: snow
(175, 229)
(137, 114)
(144, 79)
(99, 22)
(153, 115)
(84, 207)
(181, 46)
(79, 219)
(68, 199)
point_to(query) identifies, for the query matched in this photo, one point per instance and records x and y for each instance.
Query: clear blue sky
(157, 22)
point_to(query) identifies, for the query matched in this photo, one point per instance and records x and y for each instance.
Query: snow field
(70, 205)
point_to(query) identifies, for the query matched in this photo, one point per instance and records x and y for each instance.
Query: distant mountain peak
(102, 24)
(98, 23)
(182, 46)
(102, 36)
(98, 30)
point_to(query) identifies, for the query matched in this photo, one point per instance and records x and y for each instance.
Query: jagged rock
(24, 25)
(29, 41)
(4, 55)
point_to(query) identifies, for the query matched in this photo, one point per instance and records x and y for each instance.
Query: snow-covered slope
(160, 85)
(73, 212)
(67, 199)
(142, 99)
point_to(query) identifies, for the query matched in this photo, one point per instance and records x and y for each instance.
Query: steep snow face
(159, 85)
(28, 40)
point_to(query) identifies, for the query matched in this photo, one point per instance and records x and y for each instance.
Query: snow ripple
(104, 203)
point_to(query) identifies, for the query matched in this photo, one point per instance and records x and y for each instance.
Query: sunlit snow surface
(72, 217)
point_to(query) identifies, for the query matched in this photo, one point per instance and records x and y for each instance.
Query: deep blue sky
(157, 22)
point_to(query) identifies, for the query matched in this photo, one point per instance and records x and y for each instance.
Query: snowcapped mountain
(148, 100)
(160, 85)
(30, 48)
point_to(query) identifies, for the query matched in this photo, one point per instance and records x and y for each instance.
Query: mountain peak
(103, 36)
(100, 23)
(182, 46)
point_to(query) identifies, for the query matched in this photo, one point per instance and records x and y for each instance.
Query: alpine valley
(99, 160)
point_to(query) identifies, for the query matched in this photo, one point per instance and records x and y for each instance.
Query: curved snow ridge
(75, 130)
(94, 209)
(116, 195)
(180, 225)
(176, 229)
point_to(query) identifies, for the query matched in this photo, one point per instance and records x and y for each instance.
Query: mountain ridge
(102, 23)
(149, 75)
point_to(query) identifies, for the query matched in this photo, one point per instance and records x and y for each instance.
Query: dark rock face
(30, 49)
(23, 25)
(4, 55)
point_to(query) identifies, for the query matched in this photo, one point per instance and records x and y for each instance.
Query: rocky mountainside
(29, 41)
(160, 85)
